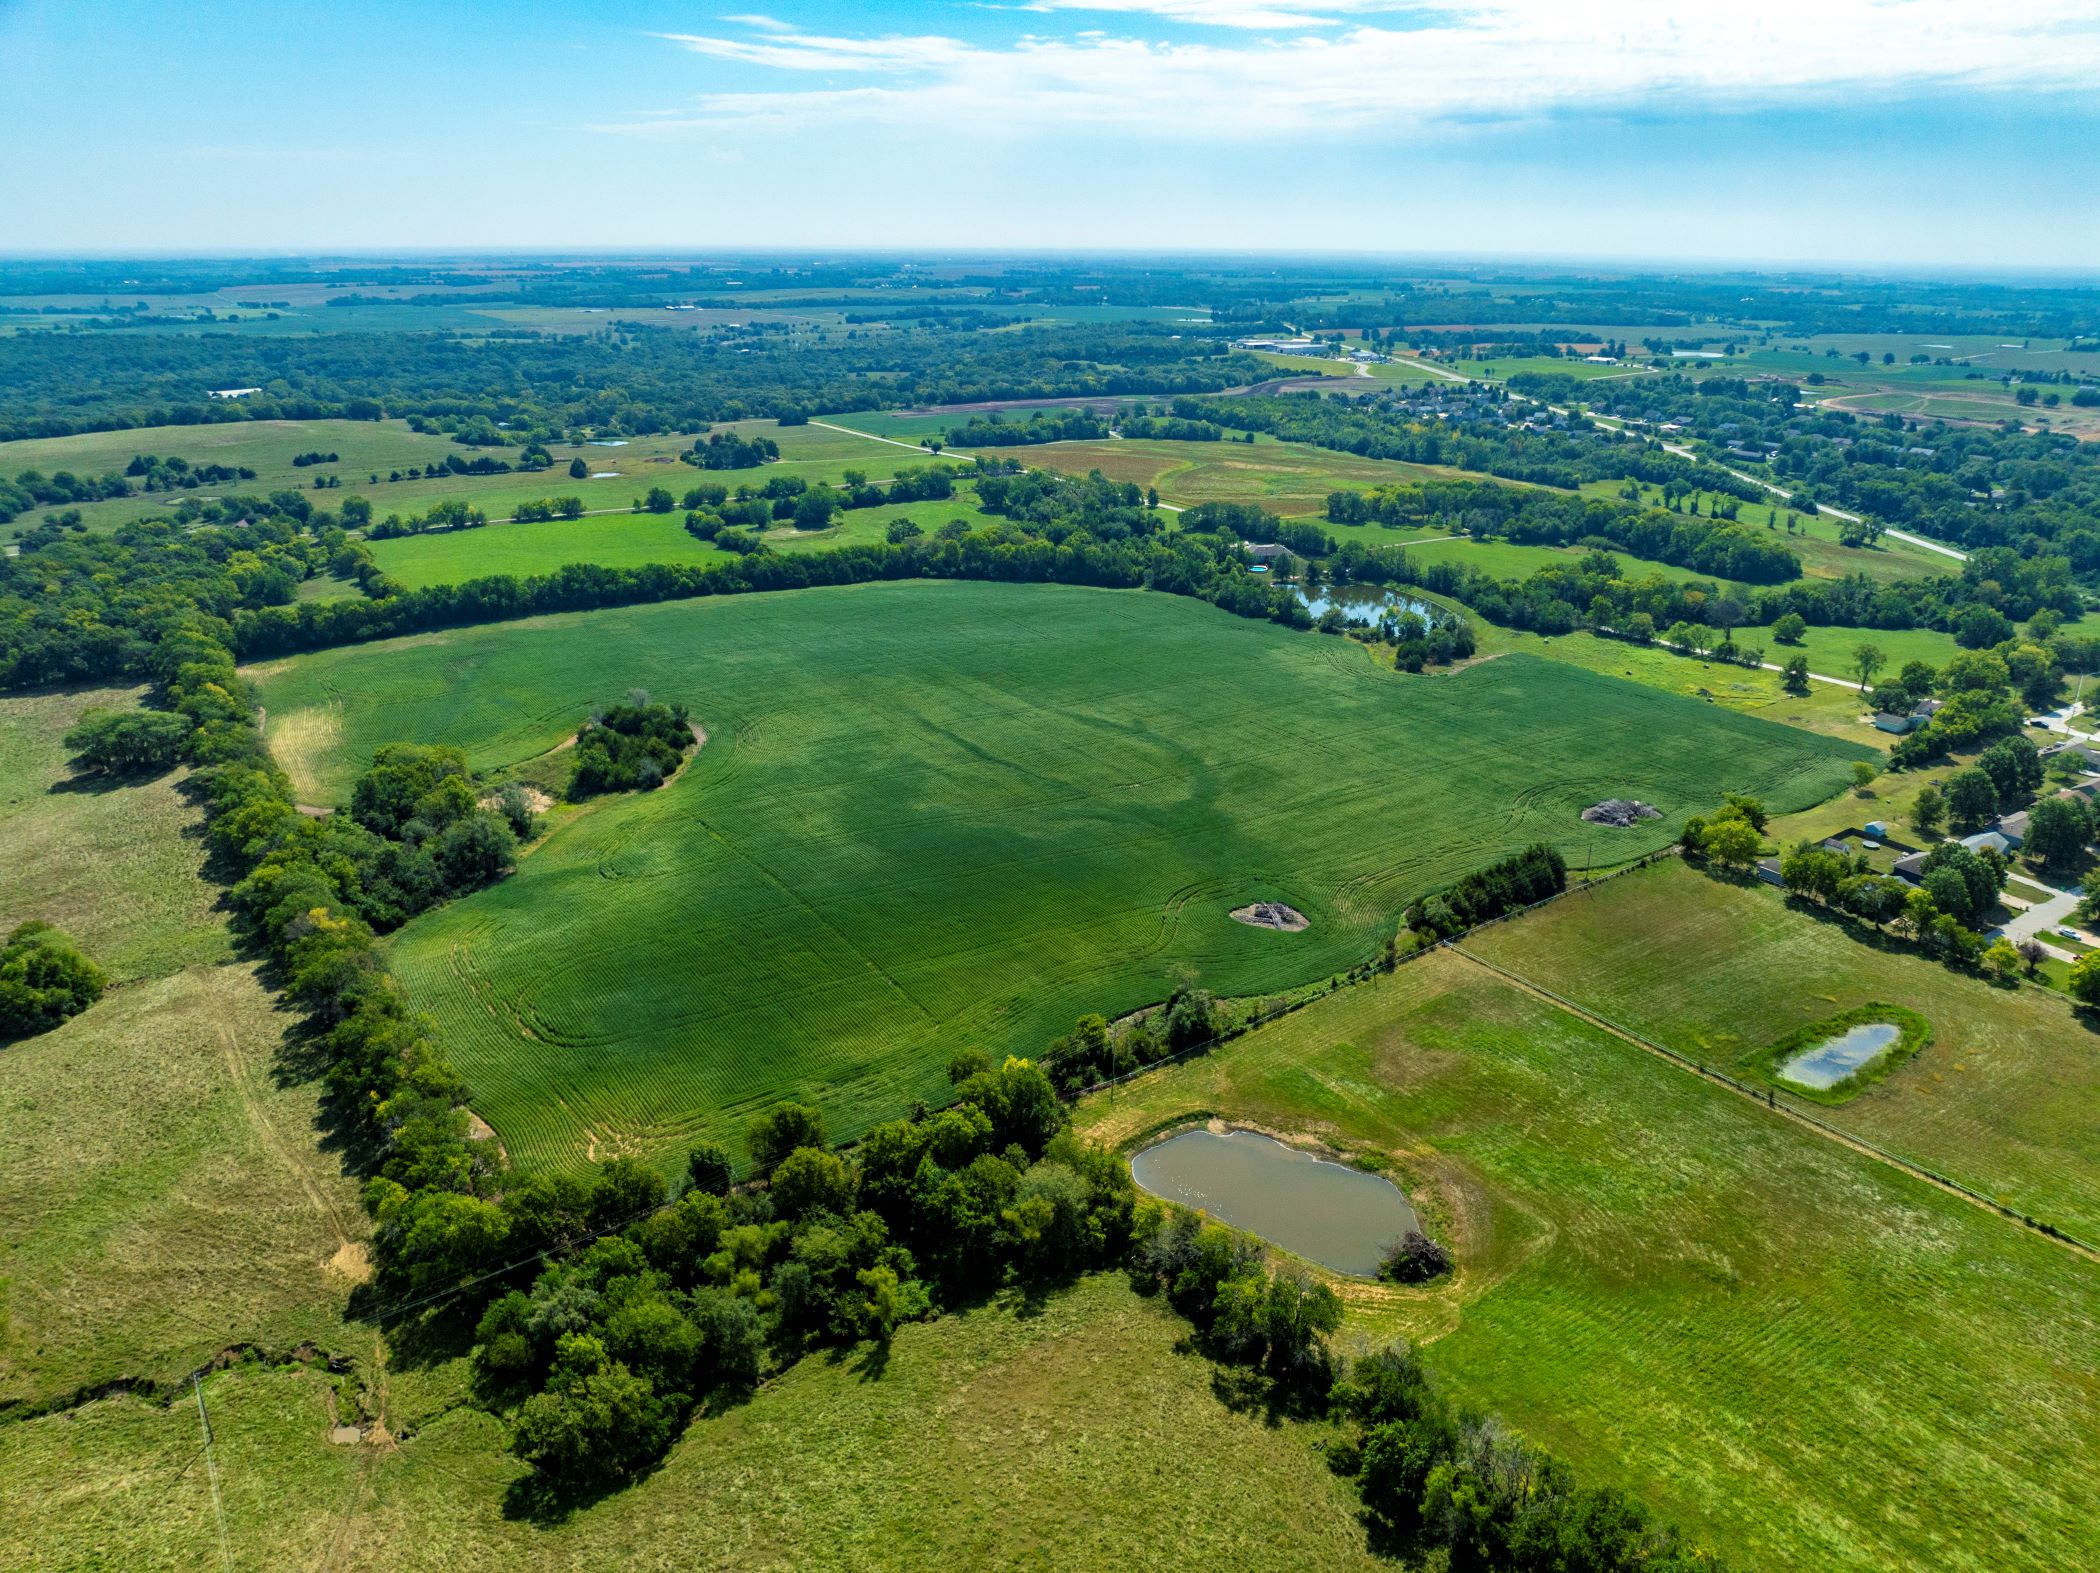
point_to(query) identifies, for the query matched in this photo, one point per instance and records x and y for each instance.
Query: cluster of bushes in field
(32, 488)
(1093, 1051)
(451, 514)
(174, 473)
(1172, 428)
(313, 456)
(45, 980)
(541, 509)
(1487, 893)
(631, 747)
(728, 450)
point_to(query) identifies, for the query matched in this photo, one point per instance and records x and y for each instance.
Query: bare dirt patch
(1270, 915)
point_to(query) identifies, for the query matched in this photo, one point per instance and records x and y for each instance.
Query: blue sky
(1910, 133)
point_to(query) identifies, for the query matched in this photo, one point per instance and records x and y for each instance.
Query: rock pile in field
(1620, 812)
(1271, 915)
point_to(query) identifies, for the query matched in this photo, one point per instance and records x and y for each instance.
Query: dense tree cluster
(607, 1353)
(1439, 1477)
(44, 980)
(996, 431)
(727, 450)
(539, 387)
(1515, 882)
(631, 747)
(1543, 518)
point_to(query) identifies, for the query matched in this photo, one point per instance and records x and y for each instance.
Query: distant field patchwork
(932, 815)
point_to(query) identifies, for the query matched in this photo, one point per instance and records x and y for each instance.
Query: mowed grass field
(934, 815)
(1807, 1357)
(1070, 1434)
(2006, 1097)
(628, 540)
(162, 1193)
(1288, 478)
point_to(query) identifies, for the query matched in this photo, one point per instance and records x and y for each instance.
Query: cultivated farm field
(935, 815)
(1808, 1358)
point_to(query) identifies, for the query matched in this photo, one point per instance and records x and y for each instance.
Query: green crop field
(1808, 1357)
(931, 815)
(161, 1196)
(2005, 1099)
(1071, 1433)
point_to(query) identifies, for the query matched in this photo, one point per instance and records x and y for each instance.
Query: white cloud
(1465, 61)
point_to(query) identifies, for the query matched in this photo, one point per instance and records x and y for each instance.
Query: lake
(1324, 1211)
(1823, 1065)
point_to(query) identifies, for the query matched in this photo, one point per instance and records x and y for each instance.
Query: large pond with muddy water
(1326, 1212)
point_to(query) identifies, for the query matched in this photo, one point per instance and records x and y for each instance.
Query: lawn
(1070, 1434)
(932, 815)
(2006, 1098)
(1808, 1358)
(161, 1193)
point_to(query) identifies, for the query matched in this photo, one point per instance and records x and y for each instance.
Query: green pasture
(619, 475)
(934, 815)
(1804, 1356)
(627, 540)
(1073, 1433)
(2005, 1098)
(1825, 708)
(161, 1195)
(1288, 478)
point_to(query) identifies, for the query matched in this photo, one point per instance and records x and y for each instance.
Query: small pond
(1324, 1211)
(1825, 1064)
(1364, 603)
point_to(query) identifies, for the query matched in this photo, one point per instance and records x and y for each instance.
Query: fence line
(1768, 1096)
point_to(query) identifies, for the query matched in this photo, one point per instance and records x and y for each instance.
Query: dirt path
(1785, 1111)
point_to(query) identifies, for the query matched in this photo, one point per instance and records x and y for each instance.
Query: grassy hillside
(1067, 1435)
(931, 815)
(161, 1191)
(1813, 1358)
(2006, 1098)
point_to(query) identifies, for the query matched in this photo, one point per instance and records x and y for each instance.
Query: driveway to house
(2043, 918)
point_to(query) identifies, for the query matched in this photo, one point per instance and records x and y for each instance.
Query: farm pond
(1324, 1211)
(1823, 1065)
(1362, 603)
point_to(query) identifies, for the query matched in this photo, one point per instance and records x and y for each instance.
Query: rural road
(1835, 513)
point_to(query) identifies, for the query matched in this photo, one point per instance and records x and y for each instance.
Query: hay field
(1810, 1358)
(932, 815)
(2006, 1097)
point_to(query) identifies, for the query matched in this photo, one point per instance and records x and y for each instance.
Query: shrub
(44, 980)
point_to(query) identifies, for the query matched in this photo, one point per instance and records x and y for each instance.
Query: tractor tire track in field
(1865, 1149)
